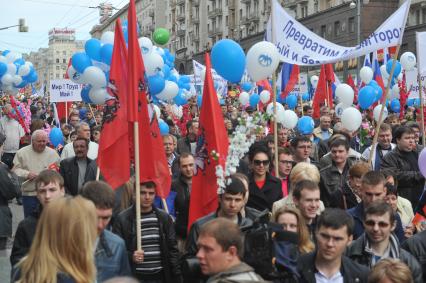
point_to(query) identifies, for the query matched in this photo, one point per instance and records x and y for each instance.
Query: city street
(18, 215)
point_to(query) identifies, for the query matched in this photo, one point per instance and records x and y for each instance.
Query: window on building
(57, 60)
(64, 61)
(323, 31)
(336, 28)
(418, 19)
(57, 76)
(64, 52)
(57, 68)
(424, 15)
(304, 10)
(351, 24)
(316, 6)
(226, 21)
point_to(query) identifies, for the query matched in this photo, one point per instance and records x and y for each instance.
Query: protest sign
(64, 90)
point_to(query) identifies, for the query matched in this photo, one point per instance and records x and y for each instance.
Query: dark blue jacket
(357, 214)
(111, 257)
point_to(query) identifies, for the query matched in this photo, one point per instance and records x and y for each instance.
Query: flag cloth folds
(114, 156)
(377, 76)
(289, 78)
(153, 162)
(350, 81)
(212, 137)
(330, 77)
(324, 91)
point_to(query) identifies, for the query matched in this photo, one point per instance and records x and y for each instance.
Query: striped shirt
(150, 244)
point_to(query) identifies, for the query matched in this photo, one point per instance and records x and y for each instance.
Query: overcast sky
(43, 15)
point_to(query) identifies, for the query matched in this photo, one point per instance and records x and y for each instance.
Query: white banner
(298, 45)
(64, 90)
(221, 85)
(300, 87)
(413, 84)
(421, 51)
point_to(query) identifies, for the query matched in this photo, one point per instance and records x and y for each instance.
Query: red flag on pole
(350, 81)
(329, 77)
(320, 93)
(212, 137)
(113, 155)
(153, 162)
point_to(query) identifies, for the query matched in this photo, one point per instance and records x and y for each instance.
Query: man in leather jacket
(333, 234)
(378, 242)
(416, 245)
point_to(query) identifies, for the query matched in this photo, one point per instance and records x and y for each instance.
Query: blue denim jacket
(111, 257)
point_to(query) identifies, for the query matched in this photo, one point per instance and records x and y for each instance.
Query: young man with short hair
(328, 263)
(220, 250)
(49, 186)
(378, 242)
(158, 261)
(383, 147)
(285, 165)
(302, 149)
(110, 254)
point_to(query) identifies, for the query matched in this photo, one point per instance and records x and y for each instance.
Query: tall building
(52, 62)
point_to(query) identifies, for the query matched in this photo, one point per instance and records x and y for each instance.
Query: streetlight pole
(358, 36)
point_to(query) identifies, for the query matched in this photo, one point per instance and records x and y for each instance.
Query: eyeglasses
(372, 223)
(259, 162)
(287, 162)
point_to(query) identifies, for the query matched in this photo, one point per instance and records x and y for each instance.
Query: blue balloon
(5, 52)
(199, 100)
(56, 138)
(21, 85)
(93, 49)
(19, 62)
(179, 100)
(395, 105)
(305, 125)
(305, 96)
(164, 128)
(291, 101)
(156, 84)
(246, 86)
(166, 71)
(85, 94)
(106, 53)
(185, 79)
(32, 77)
(254, 100)
(186, 86)
(82, 113)
(228, 59)
(3, 68)
(366, 97)
(107, 76)
(173, 78)
(416, 102)
(80, 61)
(397, 69)
(378, 91)
(410, 102)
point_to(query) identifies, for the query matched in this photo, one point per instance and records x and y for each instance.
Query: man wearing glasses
(302, 148)
(285, 165)
(264, 189)
(378, 242)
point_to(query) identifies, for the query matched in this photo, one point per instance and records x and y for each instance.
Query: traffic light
(22, 26)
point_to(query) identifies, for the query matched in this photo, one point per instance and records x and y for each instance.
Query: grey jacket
(238, 273)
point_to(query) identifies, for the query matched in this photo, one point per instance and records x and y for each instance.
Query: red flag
(113, 155)
(212, 136)
(62, 107)
(320, 93)
(153, 162)
(293, 78)
(329, 77)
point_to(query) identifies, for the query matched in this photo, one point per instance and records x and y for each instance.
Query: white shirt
(13, 132)
(321, 278)
(68, 151)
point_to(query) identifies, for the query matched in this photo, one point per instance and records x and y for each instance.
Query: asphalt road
(18, 215)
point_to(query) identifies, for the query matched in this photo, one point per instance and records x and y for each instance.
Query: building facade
(52, 62)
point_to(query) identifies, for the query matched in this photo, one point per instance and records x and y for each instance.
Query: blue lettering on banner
(56, 87)
(64, 94)
(294, 56)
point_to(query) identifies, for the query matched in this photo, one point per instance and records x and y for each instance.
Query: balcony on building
(195, 37)
(245, 1)
(215, 31)
(180, 17)
(180, 2)
(151, 13)
(172, 4)
(195, 3)
(195, 20)
(180, 32)
(215, 12)
(232, 5)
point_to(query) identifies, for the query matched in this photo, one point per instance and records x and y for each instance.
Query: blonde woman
(292, 221)
(390, 271)
(63, 247)
(302, 171)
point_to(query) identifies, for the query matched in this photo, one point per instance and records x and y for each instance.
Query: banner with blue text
(298, 45)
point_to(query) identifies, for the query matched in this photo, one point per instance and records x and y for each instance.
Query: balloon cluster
(15, 72)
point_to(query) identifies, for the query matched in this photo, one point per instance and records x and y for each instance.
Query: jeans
(30, 204)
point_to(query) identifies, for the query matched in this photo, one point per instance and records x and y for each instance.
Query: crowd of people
(328, 216)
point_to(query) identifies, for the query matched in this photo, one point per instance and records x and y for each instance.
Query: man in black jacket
(79, 169)
(416, 245)
(402, 161)
(49, 186)
(158, 260)
(378, 242)
(333, 234)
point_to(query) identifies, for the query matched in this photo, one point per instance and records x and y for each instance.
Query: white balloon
(170, 90)
(338, 110)
(145, 44)
(314, 81)
(94, 76)
(17, 80)
(351, 119)
(244, 98)
(153, 63)
(203, 74)
(376, 112)
(12, 56)
(408, 61)
(24, 69)
(159, 50)
(395, 90)
(98, 95)
(3, 59)
(157, 111)
(288, 119)
(75, 76)
(7, 79)
(262, 60)
(107, 37)
(270, 109)
(177, 111)
(400, 77)
(265, 96)
(345, 94)
(366, 74)
(11, 69)
(383, 71)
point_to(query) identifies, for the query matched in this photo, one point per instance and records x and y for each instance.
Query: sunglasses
(372, 223)
(259, 162)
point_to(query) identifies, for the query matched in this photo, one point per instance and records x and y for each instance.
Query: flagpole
(98, 173)
(138, 186)
(379, 123)
(93, 115)
(274, 95)
(66, 112)
(300, 97)
(422, 114)
(165, 206)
